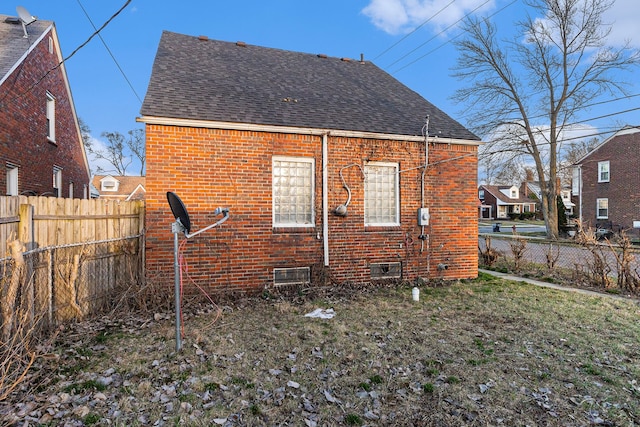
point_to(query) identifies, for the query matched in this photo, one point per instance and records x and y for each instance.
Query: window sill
(381, 228)
(311, 229)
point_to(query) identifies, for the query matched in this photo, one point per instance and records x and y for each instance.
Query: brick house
(504, 201)
(41, 148)
(320, 161)
(123, 188)
(607, 182)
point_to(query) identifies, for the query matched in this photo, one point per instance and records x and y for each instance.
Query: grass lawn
(481, 352)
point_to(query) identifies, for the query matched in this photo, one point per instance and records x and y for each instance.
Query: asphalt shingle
(13, 44)
(201, 79)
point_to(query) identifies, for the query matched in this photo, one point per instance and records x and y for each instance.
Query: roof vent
(12, 20)
(345, 59)
(203, 38)
(241, 44)
(322, 55)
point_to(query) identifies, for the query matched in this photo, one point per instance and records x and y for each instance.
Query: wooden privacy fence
(50, 221)
(63, 259)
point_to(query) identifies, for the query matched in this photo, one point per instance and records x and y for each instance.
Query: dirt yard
(476, 353)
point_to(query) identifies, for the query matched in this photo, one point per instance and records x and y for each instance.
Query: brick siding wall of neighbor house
(235, 171)
(23, 128)
(623, 188)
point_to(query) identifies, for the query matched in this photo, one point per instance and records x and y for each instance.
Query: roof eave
(170, 121)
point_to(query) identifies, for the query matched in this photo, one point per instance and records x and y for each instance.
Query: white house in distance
(504, 201)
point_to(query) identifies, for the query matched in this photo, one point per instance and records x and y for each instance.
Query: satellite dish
(183, 224)
(179, 211)
(25, 16)
(25, 19)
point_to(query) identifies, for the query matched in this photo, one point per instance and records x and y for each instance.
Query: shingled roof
(200, 79)
(14, 44)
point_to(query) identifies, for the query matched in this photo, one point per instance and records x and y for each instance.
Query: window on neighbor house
(51, 117)
(481, 194)
(71, 189)
(602, 208)
(603, 171)
(12, 180)
(514, 194)
(57, 181)
(381, 201)
(293, 187)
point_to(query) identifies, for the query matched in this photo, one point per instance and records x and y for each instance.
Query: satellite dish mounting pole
(177, 228)
(183, 225)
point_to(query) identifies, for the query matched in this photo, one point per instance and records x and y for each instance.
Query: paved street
(568, 255)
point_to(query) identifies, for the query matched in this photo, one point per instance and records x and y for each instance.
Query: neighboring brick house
(504, 201)
(533, 190)
(124, 188)
(607, 181)
(284, 140)
(41, 148)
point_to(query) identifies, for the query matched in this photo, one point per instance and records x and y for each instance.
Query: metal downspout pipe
(325, 201)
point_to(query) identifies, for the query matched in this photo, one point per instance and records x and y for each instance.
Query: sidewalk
(513, 278)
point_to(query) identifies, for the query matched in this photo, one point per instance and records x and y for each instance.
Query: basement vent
(291, 276)
(390, 270)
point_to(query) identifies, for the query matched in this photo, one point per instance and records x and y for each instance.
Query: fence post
(142, 245)
(25, 227)
(26, 236)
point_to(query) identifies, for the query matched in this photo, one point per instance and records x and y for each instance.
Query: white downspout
(325, 201)
(580, 193)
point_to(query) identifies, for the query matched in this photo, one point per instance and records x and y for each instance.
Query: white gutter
(207, 124)
(325, 202)
(580, 192)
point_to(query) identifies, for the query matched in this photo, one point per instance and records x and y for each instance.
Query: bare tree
(560, 64)
(571, 154)
(117, 149)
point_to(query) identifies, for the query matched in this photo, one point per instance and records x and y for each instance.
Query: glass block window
(293, 187)
(603, 171)
(391, 270)
(291, 276)
(381, 201)
(602, 208)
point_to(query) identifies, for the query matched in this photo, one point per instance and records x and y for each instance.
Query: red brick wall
(209, 168)
(23, 131)
(623, 188)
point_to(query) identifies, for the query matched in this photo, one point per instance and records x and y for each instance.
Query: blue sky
(382, 30)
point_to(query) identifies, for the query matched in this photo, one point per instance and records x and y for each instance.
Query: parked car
(603, 233)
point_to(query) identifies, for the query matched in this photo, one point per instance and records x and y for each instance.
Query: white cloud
(401, 16)
(623, 17)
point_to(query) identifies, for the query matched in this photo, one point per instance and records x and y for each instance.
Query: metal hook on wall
(341, 210)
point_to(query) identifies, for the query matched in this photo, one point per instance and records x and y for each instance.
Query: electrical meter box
(423, 216)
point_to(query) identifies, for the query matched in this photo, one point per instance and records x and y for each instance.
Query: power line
(19, 71)
(76, 50)
(436, 35)
(110, 53)
(448, 41)
(414, 30)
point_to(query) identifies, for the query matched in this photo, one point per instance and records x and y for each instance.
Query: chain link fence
(45, 287)
(612, 265)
